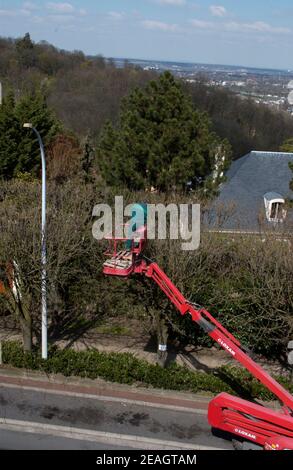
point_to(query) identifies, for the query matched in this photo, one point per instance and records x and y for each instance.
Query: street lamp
(28, 125)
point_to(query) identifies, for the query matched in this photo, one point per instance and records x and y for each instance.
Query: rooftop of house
(250, 180)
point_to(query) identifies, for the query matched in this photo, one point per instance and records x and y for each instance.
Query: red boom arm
(215, 330)
(271, 429)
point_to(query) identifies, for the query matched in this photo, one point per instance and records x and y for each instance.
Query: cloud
(218, 10)
(172, 2)
(160, 26)
(61, 19)
(61, 7)
(14, 13)
(64, 13)
(37, 19)
(116, 15)
(238, 27)
(202, 24)
(8, 13)
(30, 6)
(65, 9)
(24, 12)
(255, 27)
(58, 13)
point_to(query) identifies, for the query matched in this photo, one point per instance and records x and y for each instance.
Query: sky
(256, 33)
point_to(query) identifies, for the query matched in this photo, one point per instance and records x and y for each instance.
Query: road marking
(107, 398)
(136, 442)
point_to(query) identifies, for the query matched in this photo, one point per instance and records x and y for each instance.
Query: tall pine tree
(9, 137)
(25, 51)
(161, 141)
(19, 149)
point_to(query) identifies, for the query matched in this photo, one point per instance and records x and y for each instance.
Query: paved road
(96, 423)
(11, 440)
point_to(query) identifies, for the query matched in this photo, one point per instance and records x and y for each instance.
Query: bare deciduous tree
(70, 247)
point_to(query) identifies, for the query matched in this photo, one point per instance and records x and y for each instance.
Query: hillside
(85, 92)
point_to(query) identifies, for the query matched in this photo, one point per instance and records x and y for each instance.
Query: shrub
(127, 369)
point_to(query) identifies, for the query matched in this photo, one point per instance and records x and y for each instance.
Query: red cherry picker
(270, 429)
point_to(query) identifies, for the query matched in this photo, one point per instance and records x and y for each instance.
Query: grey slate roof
(248, 179)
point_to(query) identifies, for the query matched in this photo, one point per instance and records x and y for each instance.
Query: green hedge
(127, 369)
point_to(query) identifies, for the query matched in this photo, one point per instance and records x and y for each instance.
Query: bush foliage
(245, 282)
(125, 368)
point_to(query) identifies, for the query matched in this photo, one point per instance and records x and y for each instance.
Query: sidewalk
(102, 390)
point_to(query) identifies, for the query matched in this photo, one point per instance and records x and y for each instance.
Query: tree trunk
(162, 335)
(21, 310)
(26, 327)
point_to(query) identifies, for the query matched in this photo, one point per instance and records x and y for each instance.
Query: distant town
(267, 86)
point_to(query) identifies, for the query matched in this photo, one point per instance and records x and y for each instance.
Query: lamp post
(28, 125)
